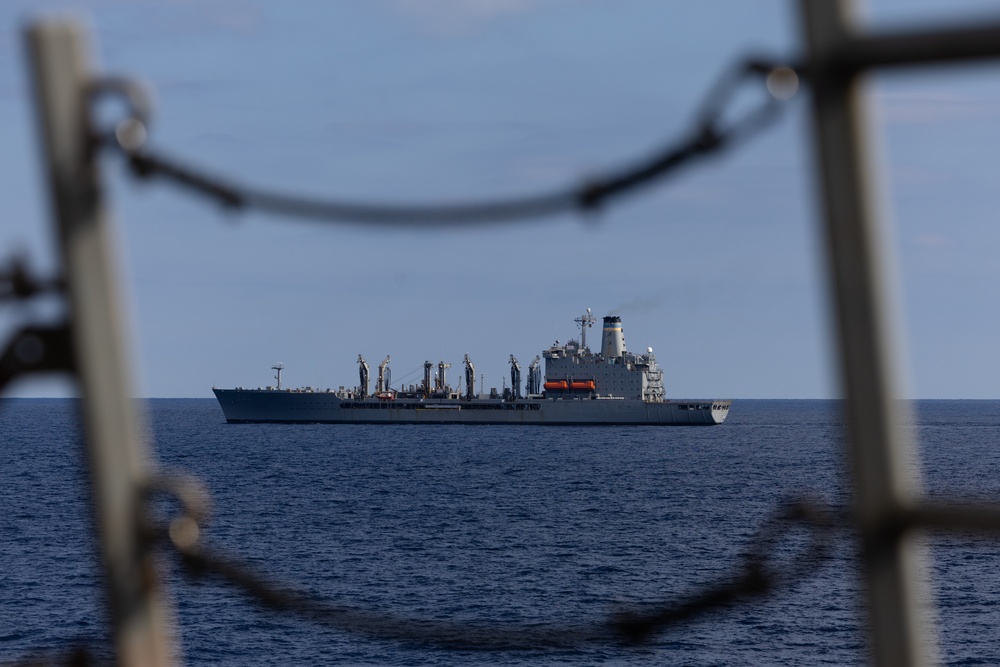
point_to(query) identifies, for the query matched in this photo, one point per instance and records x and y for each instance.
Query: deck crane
(363, 373)
(470, 378)
(439, 382)
(535, 376)
(382, 384)
(515, 377)
(427, 379)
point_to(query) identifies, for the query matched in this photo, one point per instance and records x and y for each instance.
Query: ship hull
(305, 407)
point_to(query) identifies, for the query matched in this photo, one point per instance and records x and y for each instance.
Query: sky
(719, 268)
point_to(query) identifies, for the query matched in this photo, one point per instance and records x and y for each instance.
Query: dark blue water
(509, 524)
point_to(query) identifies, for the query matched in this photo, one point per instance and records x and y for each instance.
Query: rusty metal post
(117, 457)
(881, 451)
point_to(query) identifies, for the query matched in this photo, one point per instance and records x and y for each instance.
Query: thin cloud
(930, 241)
(917, 178)
(457, 17)
(926, 107)
(211, 16)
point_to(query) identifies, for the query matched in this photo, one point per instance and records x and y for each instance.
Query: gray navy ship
(580, 387)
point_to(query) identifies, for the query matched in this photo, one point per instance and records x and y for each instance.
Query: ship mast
(585, 321)
(278, 367)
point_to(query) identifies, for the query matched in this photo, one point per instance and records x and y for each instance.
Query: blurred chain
(17, 282)
(711, 133)
(34, 347)
(760, 573)
(79, 656)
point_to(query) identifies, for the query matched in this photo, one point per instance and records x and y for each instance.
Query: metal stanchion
(880, 445)
(116, 454)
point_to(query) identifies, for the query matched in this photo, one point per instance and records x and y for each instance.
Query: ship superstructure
(612, 386)
(571, 368)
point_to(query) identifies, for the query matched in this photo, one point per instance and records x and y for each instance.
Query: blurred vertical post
(117, 458)
(881, 449)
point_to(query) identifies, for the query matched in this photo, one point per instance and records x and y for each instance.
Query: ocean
(490, 525)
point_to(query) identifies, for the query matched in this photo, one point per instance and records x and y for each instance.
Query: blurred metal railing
(889, 508)
(880, 443)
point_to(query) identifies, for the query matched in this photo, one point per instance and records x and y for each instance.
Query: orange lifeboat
(556, 384)
(582, 385)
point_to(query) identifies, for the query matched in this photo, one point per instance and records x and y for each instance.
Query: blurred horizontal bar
(857, 53)
(952, 517)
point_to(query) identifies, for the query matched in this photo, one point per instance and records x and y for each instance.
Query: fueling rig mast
(585, 321)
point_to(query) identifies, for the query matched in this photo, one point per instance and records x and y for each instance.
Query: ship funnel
(613, 340)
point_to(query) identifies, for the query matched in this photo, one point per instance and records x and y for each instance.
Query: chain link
(709, 135)
(19, 283)
(759, 575)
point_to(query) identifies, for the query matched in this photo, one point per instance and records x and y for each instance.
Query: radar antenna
(585, 321)
(278, 367)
